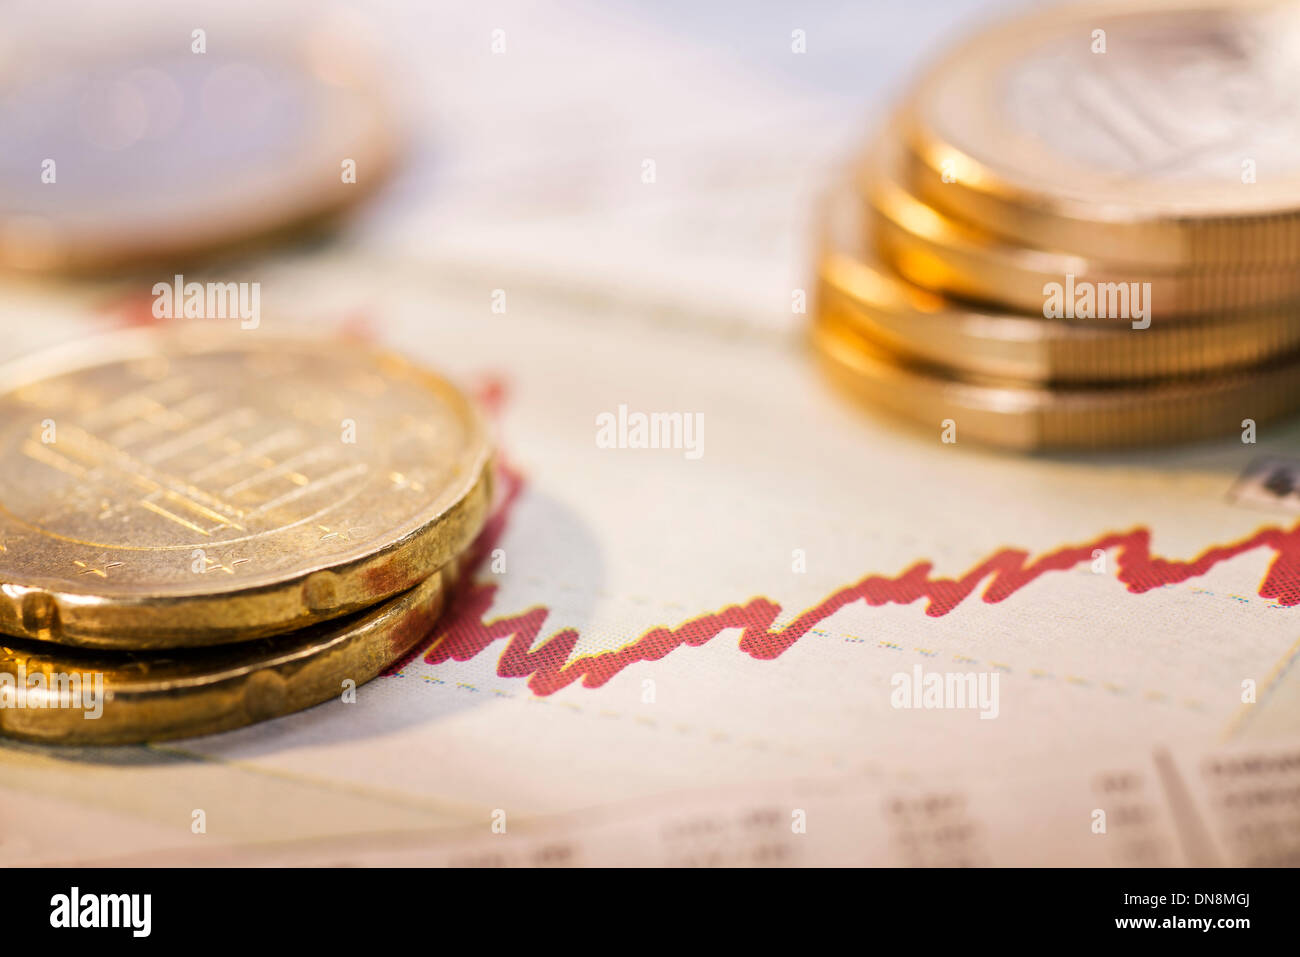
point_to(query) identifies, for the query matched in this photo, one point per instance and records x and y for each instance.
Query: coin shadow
(545, 543)
(531, 544)
(1227, 456)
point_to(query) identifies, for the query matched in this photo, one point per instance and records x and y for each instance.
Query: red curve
(466, 630)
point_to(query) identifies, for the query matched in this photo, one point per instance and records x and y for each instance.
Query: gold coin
(1162, 133)
(194, 487)
(947, 256)
(922, 326)
(1017, 416)
(143, 152)
(60, 695)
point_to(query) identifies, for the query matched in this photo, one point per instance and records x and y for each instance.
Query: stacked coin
(1081, 229)
(199, 530)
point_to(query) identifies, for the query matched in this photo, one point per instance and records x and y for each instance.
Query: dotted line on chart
(718, 736)
(1152, 695)
(1244, 599)
(713, 735)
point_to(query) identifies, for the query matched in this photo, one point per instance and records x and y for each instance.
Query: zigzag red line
(466, 630)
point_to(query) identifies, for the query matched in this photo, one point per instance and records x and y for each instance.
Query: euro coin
(190, 486)
(58, 695)
(150, 151)
(948, 256)
(917, 324)
(1161, 133)
(1014, 415)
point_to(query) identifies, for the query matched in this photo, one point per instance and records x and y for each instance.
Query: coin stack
(202, 530)
(1081, 229)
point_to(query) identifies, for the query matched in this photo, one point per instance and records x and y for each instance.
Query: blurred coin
(1162, 133)
(944, 255)
(146, 152)
(920, 325)
(191, 487)
(80, 696)
(1024, 417)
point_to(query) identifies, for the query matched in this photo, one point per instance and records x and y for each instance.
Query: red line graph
(467, 629)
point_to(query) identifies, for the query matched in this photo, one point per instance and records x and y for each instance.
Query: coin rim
(172, 620)
(1027, 417)
(1086, 208)
(927, 327)
(217, 696)
(948, 256)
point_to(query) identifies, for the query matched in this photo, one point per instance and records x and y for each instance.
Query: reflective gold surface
(151, 696)
(1135, 152)
(161, 489)
(949, 256)
(1080, 230)
(1025, 417)
(916, 323)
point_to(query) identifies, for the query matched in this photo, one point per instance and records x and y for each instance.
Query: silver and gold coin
(949, 256)
(148, 151)
(83, 696)
(1164, 134)
(968, 340)
(193, 487)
